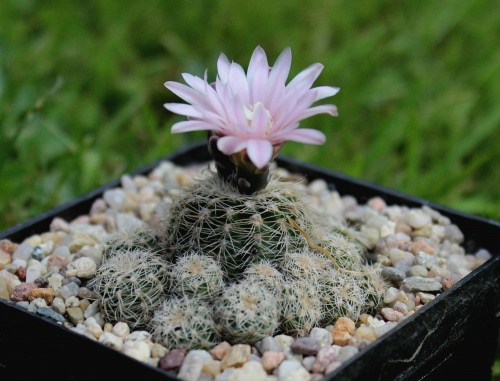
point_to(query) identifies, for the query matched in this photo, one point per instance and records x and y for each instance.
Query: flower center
(250, 113)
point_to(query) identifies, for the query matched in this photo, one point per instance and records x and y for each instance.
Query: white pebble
(390, 295)
(139, 336)
(58, 306)
(84, 267)
(34, 271)
(72, 301)
(93, 328)
(91, 310)
(250, 371)
(113, 341)
(115, 198)
(416, 218)
(193, 364)
(23, 252)
(99, 319)
(137, 349)
(290, 370)
(128, 184)
(322, 335)
(62, 251)
(121, 329)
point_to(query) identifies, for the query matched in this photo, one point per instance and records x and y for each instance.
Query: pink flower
(253, 111)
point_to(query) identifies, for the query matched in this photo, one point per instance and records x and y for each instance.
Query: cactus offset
(130, 286)
(247, 312)
(265, 274)
(300, 306)
(197, 275)
(140, 237)
(185, 322)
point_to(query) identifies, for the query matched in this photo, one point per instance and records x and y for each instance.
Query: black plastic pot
(453, 337)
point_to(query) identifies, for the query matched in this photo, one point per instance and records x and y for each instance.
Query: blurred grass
(81, 90)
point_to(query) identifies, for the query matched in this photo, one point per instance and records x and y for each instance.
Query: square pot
(456, 333)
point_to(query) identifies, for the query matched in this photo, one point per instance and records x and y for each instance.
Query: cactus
(197, 275)
(341, 294)
(347, 253)
(247, 312)
(300, 306)
(374, 286)
(140, 237)
(185, 322)
(130, 286)
(213, 218)
(349, 293)
(266, 274)
(304, 265)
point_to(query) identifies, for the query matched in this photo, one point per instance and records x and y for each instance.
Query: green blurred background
(81, 90)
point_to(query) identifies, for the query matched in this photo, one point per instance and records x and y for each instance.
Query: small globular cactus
(185, 322)
(341, 294)
(266, 274)
(212, 218)
(300, 306)
(130, 285)
(197, 275)
(374, 285)
(347, 253)
(139, 237)
(304, 265)
(247, 312)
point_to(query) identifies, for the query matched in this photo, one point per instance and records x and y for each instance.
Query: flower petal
(238, 82)
(277, 78)
(259, 120)
(302, 135)
(223, 68)
(258, 56)
(322, 109)
(257, 75)
(322, 92)
(192, 125)
(231, 144)
(236, 114)
(260, 152)
(183, 109)
(195, 82)
(184, 92)
(304, 80)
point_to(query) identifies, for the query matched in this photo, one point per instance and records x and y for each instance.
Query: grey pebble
(426, 260)
(85, 293)
(392, 274)
(47, 312)
(417, 270)
(24, 304)
(417, 283)
(404, 264)
(307, 346)
(68, 290)
(268, 344)
(37, 253)
(70, 279)
(308, 362)
(382, 330)
(359, 342)
(345, 353)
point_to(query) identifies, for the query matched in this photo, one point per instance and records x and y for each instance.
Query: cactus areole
(250, 116)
